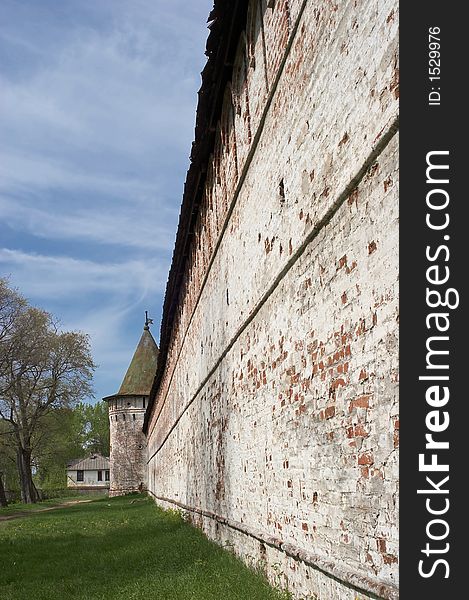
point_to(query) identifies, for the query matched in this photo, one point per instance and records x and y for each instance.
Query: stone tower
(126, 414)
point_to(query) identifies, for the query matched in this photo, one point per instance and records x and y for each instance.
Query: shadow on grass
(115, 549)
(20, 509)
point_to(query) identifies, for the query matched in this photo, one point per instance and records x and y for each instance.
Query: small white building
(89, 474)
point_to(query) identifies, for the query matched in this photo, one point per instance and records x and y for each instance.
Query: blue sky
(97, 110)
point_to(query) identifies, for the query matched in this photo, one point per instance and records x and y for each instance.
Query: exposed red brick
(360, 402)
(360, 431)
(338, 383)
(389, 559)
(365, 459)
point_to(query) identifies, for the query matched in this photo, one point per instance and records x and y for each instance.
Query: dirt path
(30, 513)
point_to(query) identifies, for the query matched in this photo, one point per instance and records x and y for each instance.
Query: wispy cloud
(111, 109)
(135, 226)
(21, 172)
(64, 277)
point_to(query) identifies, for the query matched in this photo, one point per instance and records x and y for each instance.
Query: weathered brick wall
(128, 444)
(276, 420)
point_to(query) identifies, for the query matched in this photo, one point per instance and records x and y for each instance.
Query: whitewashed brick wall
(276, 423)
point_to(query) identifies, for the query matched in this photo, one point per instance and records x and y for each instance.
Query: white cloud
(147, 227)
(22, 172)
(64, 277)
(108, 112)
(119, 92)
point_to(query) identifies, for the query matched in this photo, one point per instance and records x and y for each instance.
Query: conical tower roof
(139, 377)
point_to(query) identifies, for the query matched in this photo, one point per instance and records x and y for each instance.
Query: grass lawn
(119, 548)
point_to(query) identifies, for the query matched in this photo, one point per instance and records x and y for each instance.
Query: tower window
(133, 417)
(143, 402)
(106, 475)
(100, 475)
(123, 417)
(80, 476)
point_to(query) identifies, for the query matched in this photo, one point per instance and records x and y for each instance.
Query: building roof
(141, 372)
(226, 22)
(94, 462)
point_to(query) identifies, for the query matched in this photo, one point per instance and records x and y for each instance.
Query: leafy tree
(41, 369)
(8, 472)
(11, 305)
(95, 427)
(66, 434)
(56, 442)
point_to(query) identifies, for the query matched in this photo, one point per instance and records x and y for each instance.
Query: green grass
(116, 549)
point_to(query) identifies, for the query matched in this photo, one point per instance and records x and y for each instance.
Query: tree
(3, 498)
(57, 441)
(94, 420)
(8, 471)
(66, 434)
(11, 305)
(42, 369)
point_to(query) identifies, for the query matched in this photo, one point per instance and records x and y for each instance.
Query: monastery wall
(275, 422)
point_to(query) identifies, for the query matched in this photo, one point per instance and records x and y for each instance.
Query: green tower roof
(139, 377)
